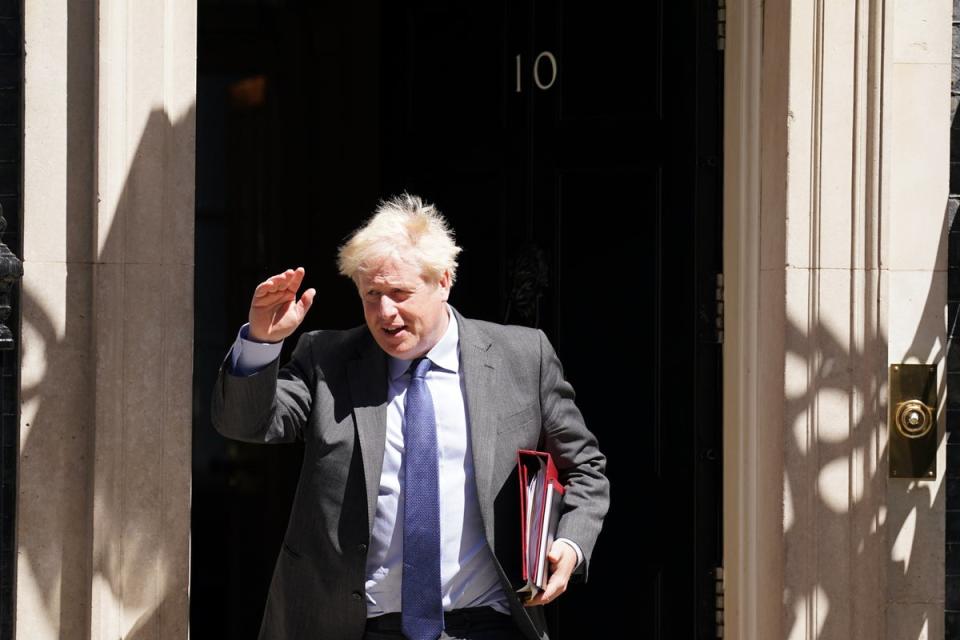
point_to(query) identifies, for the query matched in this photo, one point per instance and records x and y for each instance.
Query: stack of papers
(541, 497)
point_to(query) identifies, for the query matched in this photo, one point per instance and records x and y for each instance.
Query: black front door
(574, 148)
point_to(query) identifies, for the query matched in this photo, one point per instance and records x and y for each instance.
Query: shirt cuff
(576, 548)
(247, 357)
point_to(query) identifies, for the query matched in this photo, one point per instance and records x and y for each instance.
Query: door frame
(751, 559)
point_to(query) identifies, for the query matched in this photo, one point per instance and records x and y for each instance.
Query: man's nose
(387, 307)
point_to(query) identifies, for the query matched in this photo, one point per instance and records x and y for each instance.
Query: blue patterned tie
(422, 605)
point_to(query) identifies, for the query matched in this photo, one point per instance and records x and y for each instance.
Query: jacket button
(356, 596)
(362, 548)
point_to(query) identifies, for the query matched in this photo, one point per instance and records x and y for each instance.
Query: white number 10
(536, 71)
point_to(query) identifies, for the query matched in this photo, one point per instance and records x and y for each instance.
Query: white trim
(742, 206)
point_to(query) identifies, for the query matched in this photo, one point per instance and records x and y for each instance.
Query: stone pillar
(837, 142)
(53, 511)
(824, 235)
(913, 294)
(104, 506)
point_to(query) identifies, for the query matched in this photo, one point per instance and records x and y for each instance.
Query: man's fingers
(296, 277)
(273, 298)
(306, 301)
(547, 595)
(556, 586)
(562, 559)
(534, 601)
(270, 285)
(280, 282)
(290, 279)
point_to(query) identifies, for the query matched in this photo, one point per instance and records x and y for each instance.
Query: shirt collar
(444, 354)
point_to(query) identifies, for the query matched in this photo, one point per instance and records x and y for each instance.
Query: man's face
(406, 314)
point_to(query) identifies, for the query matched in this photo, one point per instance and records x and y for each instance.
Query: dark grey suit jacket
(332, 395)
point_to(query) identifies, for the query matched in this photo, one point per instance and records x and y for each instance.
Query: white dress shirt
(467, 574)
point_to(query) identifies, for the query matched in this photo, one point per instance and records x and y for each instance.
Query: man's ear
(444, 284)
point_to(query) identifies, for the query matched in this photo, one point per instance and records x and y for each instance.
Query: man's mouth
(395, 330)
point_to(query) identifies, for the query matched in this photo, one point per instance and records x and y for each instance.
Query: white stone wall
(835, 245)
(104, 477)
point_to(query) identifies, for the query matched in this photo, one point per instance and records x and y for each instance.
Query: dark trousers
(479, 623)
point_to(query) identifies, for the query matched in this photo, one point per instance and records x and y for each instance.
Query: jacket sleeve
(576, 453)
(272, 405)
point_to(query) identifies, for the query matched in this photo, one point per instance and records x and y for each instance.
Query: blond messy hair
(402, 227)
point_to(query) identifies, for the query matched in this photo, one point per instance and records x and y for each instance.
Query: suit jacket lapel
(368, 388)
(479, 362)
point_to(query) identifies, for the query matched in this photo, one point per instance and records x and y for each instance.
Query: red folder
(541, 497)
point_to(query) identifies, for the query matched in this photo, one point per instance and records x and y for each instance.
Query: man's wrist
(249, 356)
(576, 549)
(249, 337)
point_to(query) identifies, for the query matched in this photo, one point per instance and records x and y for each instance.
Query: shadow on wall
(114, 550)
(837, 485)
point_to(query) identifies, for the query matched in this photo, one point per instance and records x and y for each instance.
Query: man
(405, 522)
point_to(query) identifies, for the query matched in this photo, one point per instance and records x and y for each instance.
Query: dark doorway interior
(575, 149)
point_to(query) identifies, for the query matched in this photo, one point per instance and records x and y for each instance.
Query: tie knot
(420, 366)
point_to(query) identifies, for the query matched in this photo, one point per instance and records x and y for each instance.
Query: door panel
(579, 182)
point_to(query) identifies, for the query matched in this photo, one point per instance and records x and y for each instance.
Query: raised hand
(275, 312)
